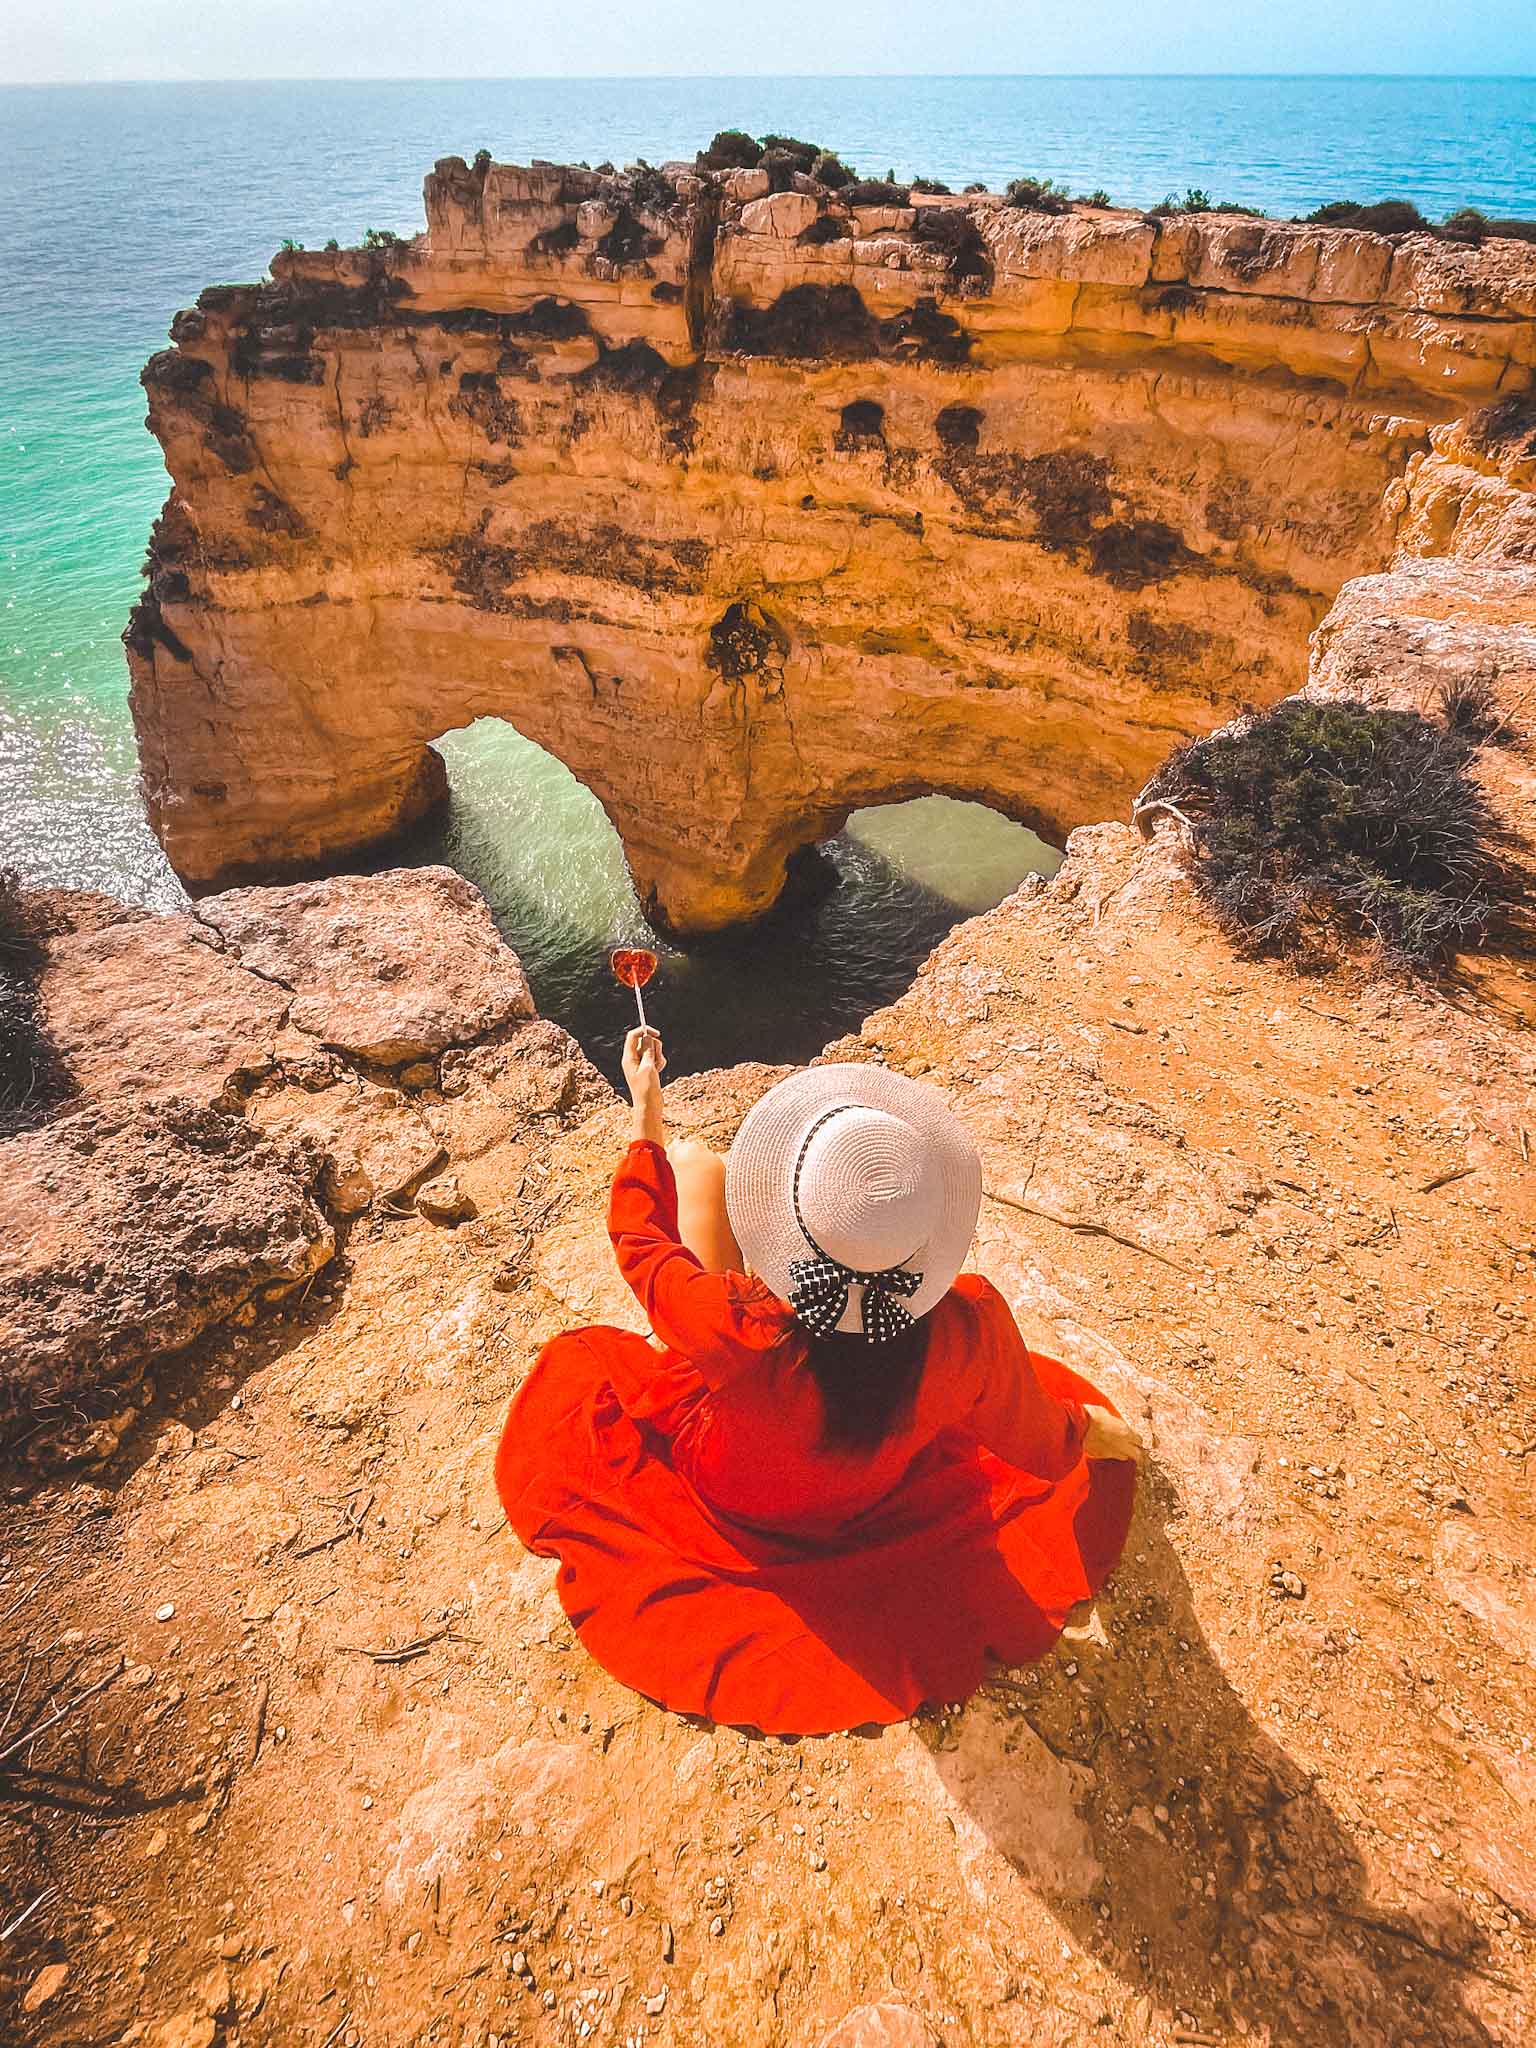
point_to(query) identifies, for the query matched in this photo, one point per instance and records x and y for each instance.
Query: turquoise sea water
(119, 203)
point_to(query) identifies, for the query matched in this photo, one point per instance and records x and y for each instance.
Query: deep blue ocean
(119, 203)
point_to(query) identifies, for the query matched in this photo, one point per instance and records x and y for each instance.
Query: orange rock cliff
(754, 507)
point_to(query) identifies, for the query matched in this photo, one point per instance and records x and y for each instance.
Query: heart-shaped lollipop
(633, 966)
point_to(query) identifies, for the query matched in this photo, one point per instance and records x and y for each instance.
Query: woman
(844, 1486)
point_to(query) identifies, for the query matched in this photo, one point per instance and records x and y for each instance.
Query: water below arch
(537, 843)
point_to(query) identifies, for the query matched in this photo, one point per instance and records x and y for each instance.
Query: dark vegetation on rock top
(32, 1078)
(644, 188)
(1314, 824)
(832, 323)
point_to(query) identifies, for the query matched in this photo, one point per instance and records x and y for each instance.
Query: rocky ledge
(250, 1078)
(753, 507)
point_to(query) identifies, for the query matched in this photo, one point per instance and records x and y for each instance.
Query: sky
(94, 40)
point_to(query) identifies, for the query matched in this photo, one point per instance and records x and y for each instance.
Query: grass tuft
(1314, 825)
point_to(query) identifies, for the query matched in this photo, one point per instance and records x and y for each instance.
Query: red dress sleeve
(1012, 1414)
(722, 1323)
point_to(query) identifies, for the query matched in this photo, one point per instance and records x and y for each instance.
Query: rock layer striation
(754, 507)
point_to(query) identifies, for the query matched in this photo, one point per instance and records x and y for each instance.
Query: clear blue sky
(55, 40)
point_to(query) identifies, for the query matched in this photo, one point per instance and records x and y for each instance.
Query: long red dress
(715, 1558)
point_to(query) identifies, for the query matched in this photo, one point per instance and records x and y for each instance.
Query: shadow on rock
(1181, 1845)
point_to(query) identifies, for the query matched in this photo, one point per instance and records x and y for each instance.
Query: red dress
(715, 1558)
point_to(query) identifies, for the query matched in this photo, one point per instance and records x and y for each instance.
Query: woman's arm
(716, 1320)
(643, 1062)
(1013, 1414)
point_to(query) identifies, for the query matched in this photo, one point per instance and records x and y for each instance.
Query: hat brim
(760, 1167)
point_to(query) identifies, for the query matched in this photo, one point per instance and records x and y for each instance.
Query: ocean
(119, 203)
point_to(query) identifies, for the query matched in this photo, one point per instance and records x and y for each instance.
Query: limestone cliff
(754, 507)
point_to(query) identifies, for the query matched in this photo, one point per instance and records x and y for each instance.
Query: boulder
(524, 1074)
(388, 968)
(47, 1984)
(886, 2025)
(373, 1142)
(149, 1007)
(126, 1230)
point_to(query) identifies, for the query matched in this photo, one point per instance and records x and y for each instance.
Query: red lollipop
(633, 966)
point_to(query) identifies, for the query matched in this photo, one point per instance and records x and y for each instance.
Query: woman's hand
(1109, 1435)
(643, 1062)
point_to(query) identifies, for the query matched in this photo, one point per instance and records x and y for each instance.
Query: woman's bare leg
(701, 1219)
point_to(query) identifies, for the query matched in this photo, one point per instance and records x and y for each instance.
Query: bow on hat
(818, 1294)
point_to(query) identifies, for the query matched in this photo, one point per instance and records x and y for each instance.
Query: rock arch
(750, 527)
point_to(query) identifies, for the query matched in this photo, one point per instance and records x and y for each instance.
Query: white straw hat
(853, 1193)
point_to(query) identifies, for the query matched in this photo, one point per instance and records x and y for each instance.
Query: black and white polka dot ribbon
(818, 1294)
(818, 1286)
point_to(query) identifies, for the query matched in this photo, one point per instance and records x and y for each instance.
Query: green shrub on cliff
(832, 172)
(875, 192)
(1385, 217)
(1315, 824)
(1465, 225)
(1197, 200)
(1468, 224)
(1038, 195)
(731, 150)
(802, 155)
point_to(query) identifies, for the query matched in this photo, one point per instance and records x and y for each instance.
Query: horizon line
(793, 78)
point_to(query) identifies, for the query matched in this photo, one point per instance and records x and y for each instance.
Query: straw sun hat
(853, 1193)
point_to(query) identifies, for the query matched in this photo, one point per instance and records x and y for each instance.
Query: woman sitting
(843, 1486)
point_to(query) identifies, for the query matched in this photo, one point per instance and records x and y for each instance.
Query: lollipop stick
(640, 1006)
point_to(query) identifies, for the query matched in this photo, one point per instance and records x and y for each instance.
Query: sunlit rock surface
(754, 508)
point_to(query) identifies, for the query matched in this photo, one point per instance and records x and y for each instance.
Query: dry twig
(1085, 1228)
(1443, 1180)
(351, 1524)
(27, 1591)
(59, 1714)
(27, 1911)
(407, 1652)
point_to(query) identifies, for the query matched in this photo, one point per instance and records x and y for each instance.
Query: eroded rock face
(151, 1006)
(1278, 1786)
(753, 508)
(236, 1101)
(126, 1230)
(393, 975)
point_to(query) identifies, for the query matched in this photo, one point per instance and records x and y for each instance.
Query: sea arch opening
(864, 907)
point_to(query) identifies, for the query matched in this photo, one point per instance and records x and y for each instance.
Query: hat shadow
(1216, 1878)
